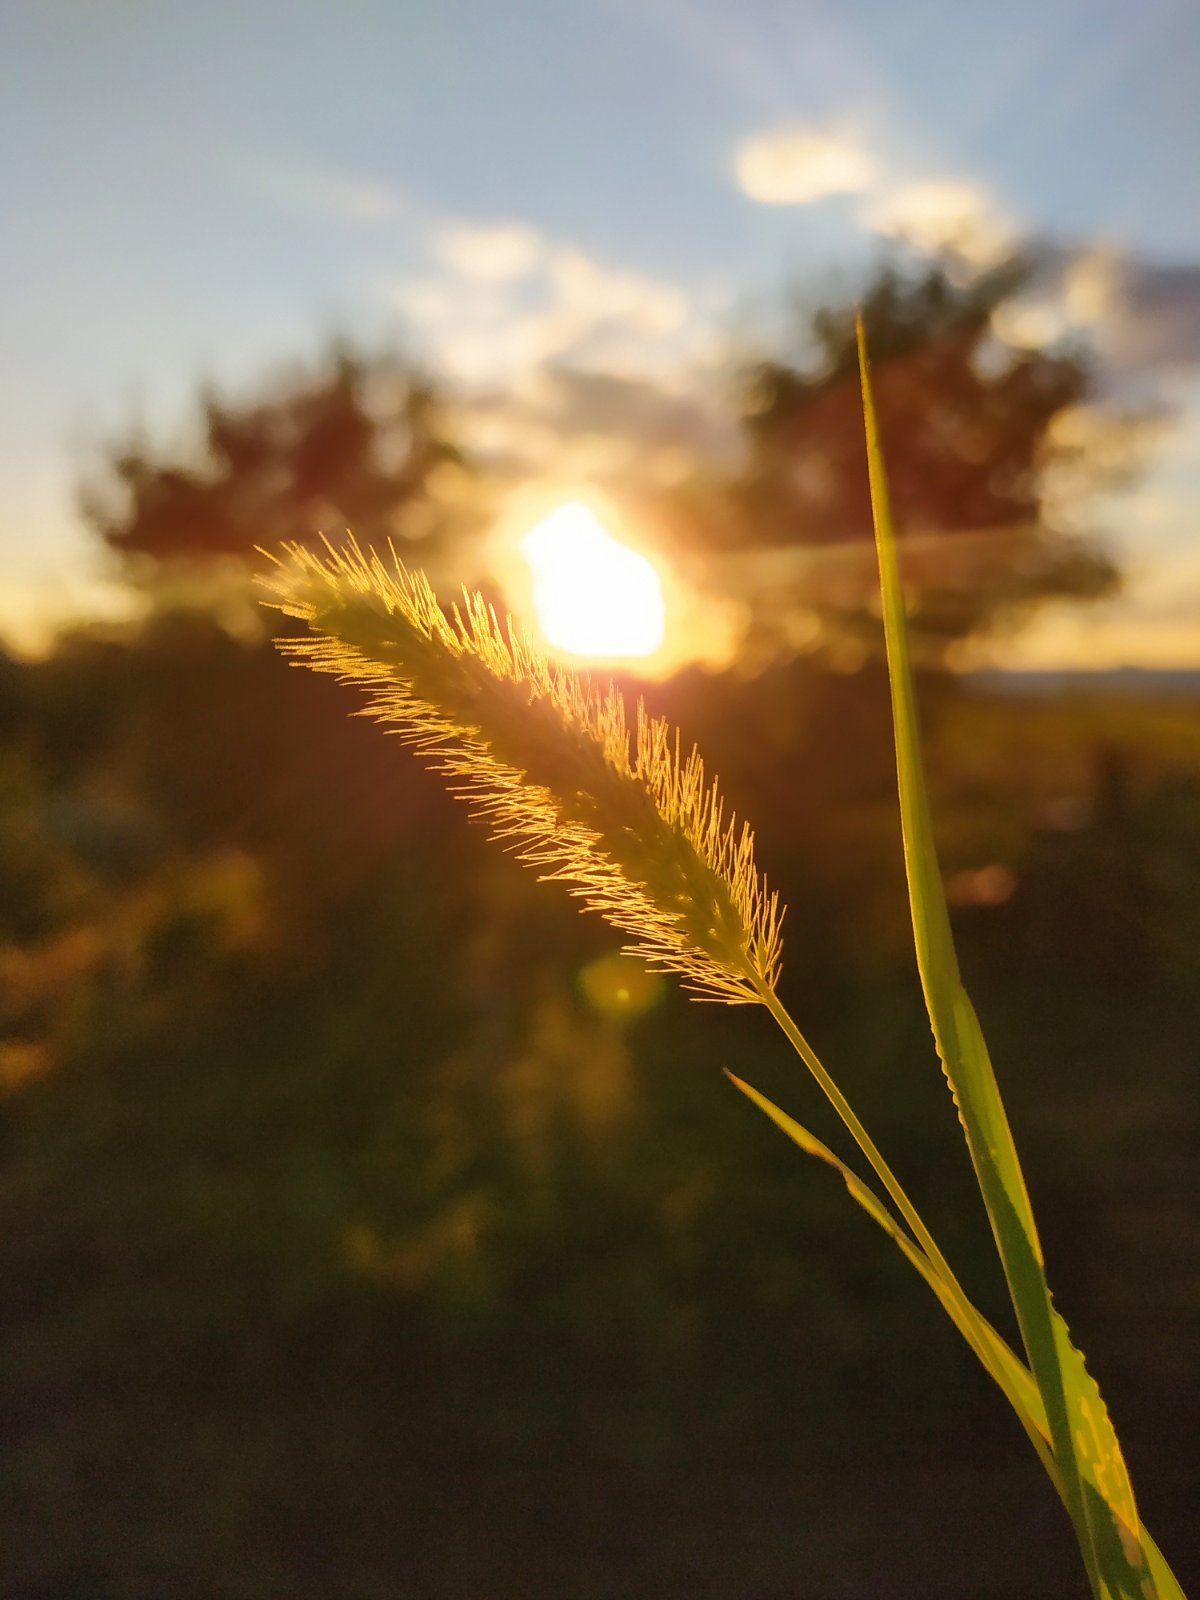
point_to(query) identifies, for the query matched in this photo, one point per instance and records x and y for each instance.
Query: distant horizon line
(1182, 680)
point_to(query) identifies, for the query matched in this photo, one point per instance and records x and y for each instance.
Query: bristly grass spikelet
(548, 760)
(639, 834)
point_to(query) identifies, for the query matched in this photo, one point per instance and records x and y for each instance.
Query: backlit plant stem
(968, 1319)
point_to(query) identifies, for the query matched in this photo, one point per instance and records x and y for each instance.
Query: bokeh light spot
(620, 986)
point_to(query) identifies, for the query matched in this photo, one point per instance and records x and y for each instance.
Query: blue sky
(206, 191)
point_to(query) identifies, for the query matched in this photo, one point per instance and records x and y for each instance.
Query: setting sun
(593, 595)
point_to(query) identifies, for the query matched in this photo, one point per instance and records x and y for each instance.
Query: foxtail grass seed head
(632, 826)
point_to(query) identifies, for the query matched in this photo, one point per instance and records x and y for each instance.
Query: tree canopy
(972, 431)
(970, 427)
(356, 442)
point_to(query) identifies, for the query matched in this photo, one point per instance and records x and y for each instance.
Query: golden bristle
(633, 827)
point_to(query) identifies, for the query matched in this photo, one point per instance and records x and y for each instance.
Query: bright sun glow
(593, 595)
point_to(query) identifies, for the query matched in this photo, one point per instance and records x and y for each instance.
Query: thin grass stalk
(1006, 1369)
(970, 1322)
(1122, 1562)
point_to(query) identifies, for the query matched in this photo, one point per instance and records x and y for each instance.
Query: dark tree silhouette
(355, 443)
(968, 427)
(969, 430)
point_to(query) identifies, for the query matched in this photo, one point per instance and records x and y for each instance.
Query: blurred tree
(973, 429)
(358, 442)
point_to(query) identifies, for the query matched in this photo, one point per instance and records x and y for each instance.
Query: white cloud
(480, 349)
(360, 199)
(489, 254)
(1091, 286)
(507, 302)
(956, 214)
(1068, 293)
(574, 362)
(1141, 316)
(348, 196)
(425, 300)
(600, 294)
(794, 166)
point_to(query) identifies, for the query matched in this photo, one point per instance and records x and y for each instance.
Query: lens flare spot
(593, 595)
(619, 986)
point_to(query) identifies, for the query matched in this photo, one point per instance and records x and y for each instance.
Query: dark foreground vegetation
(361, 1239)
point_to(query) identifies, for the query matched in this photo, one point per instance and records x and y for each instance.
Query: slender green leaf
(1094, 1479)
(1009, 1371)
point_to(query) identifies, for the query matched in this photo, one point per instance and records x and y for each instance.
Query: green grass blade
(1095, 1481)
(1008, 1371)
(997, 1357)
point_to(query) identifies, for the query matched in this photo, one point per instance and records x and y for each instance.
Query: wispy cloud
(598, 294)
(794, 165)
(353, 197)
(562, 357)
(495, 253)
(1161, 324)
(943, 214)
(1142, 317)
(503, 301)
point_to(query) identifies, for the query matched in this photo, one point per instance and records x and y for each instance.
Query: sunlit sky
(209, 191)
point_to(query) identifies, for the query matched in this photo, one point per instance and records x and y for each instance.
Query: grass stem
(979, 1334)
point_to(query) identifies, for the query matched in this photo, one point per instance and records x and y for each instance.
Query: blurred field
(362, 1240)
